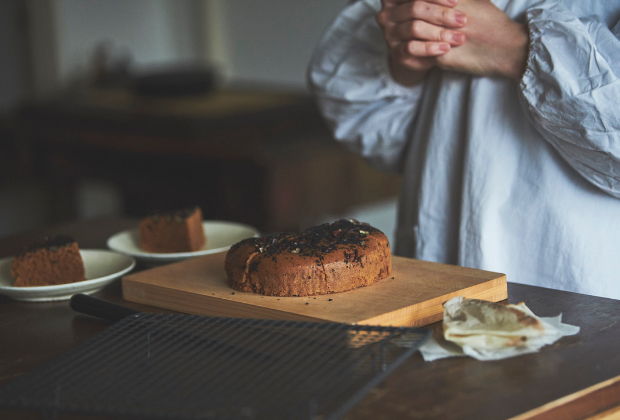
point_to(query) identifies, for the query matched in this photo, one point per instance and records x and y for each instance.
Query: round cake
(329, 258)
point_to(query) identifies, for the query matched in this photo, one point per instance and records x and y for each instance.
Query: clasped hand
(469, 36)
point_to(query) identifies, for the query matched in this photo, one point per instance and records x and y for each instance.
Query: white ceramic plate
(221, 236)
(101, 268)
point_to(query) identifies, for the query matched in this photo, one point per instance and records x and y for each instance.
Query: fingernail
(458, 37)
(460, 18)
(442, 48)
(452, 2)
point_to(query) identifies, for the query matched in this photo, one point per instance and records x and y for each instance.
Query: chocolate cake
(173, 231)
(55, 260)
(329, 258)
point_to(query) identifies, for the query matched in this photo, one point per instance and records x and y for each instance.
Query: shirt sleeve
(571, 91)
(348, 74)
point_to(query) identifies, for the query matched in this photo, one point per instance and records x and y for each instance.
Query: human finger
(447, 3)
(401, 54)
(402, 11)
(421, 49)
(435, 14)
(421, 30)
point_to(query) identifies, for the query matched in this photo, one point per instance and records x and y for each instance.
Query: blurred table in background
(253, 156)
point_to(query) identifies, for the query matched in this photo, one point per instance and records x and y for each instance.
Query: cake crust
(329, 258)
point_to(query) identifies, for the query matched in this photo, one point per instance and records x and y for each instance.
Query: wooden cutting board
(412, 296)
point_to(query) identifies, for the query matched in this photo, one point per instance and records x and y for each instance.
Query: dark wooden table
(576, 378)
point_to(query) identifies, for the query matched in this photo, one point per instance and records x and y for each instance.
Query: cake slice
(55, 260)
(174, 231)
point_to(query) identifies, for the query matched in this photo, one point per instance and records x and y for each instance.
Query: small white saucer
(221, 235)
(102, 267)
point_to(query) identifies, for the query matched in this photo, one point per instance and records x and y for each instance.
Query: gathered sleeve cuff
(349, 75)
(571, 93)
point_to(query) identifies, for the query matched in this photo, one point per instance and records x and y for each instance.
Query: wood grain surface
(412, 296)
(584, 404)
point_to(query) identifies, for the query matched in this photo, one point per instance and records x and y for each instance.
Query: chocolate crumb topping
(323, 238)
(53, 243)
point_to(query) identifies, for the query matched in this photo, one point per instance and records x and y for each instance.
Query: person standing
(503, 118)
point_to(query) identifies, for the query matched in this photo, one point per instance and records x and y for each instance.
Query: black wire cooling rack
(194, 367)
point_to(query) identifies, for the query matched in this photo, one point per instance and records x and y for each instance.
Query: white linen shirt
(521, 178)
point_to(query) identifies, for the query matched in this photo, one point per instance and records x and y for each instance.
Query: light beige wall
(265, 41)
(65, 33)
(268, 41)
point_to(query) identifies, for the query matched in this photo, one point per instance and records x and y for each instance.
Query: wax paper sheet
(491, 331)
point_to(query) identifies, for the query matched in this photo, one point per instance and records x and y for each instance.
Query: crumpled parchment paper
(492, 331)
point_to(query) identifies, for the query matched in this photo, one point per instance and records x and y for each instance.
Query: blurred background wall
(48, 45)
(251, 41)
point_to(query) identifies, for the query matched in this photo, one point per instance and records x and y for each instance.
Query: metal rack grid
(192, 367)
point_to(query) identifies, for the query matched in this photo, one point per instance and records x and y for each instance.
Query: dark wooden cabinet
(252, 156)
